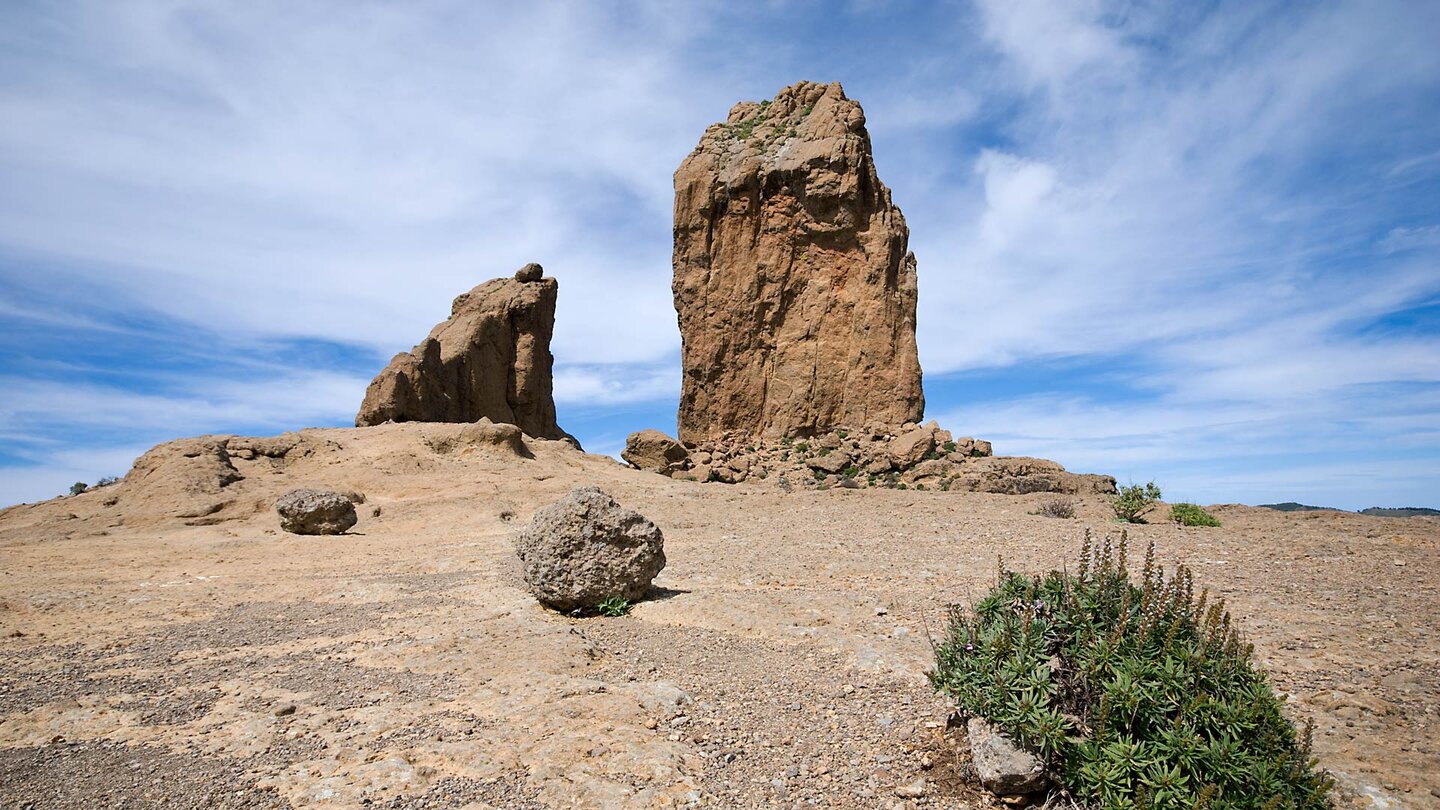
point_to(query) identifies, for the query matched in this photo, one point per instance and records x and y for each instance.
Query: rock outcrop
(586, 548)
(793, 282)
(490, 359)
(921, 457)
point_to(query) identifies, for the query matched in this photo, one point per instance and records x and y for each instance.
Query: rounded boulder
(586, 548)
(315, 511)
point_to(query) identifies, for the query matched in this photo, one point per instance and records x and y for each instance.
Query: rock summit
(794, 285)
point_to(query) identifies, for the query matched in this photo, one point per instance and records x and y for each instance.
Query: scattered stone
(286, 710)
(491, 358)
(793, 282)
(1005, 769)
(911, 790)
(315, 511)
(585, 548)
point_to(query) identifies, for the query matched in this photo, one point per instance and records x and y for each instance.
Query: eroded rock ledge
(921, 457)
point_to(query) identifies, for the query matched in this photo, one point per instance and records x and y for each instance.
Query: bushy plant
(1189, 514)
(1056, 509)
(1137, 694)
(1134, 501)
(78, 487)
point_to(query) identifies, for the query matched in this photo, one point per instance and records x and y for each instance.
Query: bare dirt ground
(780, 662)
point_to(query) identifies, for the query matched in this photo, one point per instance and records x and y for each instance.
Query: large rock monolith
(793, 281)
(490, 359)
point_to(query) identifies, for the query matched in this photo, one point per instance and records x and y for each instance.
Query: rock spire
(793, 282)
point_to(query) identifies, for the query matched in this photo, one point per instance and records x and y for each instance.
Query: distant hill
(1291, 506)
(1374, 511)
(1405, 511)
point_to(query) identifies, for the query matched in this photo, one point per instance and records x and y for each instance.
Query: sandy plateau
(216, 661)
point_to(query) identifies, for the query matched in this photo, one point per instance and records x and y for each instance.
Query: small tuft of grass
(613, 606)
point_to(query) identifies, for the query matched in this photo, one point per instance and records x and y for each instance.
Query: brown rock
(315, 511)
(654, 451)
(910, 448)
(793, 283)
(585, 548)
(490, 359)
(1005, 768)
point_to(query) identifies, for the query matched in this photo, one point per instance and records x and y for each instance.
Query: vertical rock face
(793, 282)
(490, 359)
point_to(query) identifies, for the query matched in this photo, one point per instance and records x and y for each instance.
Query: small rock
(530, 272)
(1005, 769)
(286, 710)
(911, 790)
(315, 511)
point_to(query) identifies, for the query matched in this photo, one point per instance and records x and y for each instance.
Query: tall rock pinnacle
(490, 359)
(793, 282)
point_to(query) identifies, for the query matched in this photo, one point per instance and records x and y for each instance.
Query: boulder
(831, 462)
(586, 548)
(911, 447)
(489, 359)
(654, 451)
(530, 272)
(315, 511)
(794, 285)
(1005, 768)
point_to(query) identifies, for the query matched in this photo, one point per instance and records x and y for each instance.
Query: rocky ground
(780, 662)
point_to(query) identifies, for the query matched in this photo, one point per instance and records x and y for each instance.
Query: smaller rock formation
(586, 548)
(491, 358)
(1005, 769)
(653, 451)
(483, 436)
(315, 511)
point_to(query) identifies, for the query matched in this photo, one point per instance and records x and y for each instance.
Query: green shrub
(78, 487)
(613, 606)
(949, 447)
(1138, 695)
(852, 471)
(1189, 514)
(803, 447)
(1134, 501)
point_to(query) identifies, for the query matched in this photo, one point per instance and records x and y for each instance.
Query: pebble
(911, 790)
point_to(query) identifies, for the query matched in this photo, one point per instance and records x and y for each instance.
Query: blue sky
(1191, 242)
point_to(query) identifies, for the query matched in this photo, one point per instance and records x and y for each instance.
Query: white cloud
(1183, 185)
